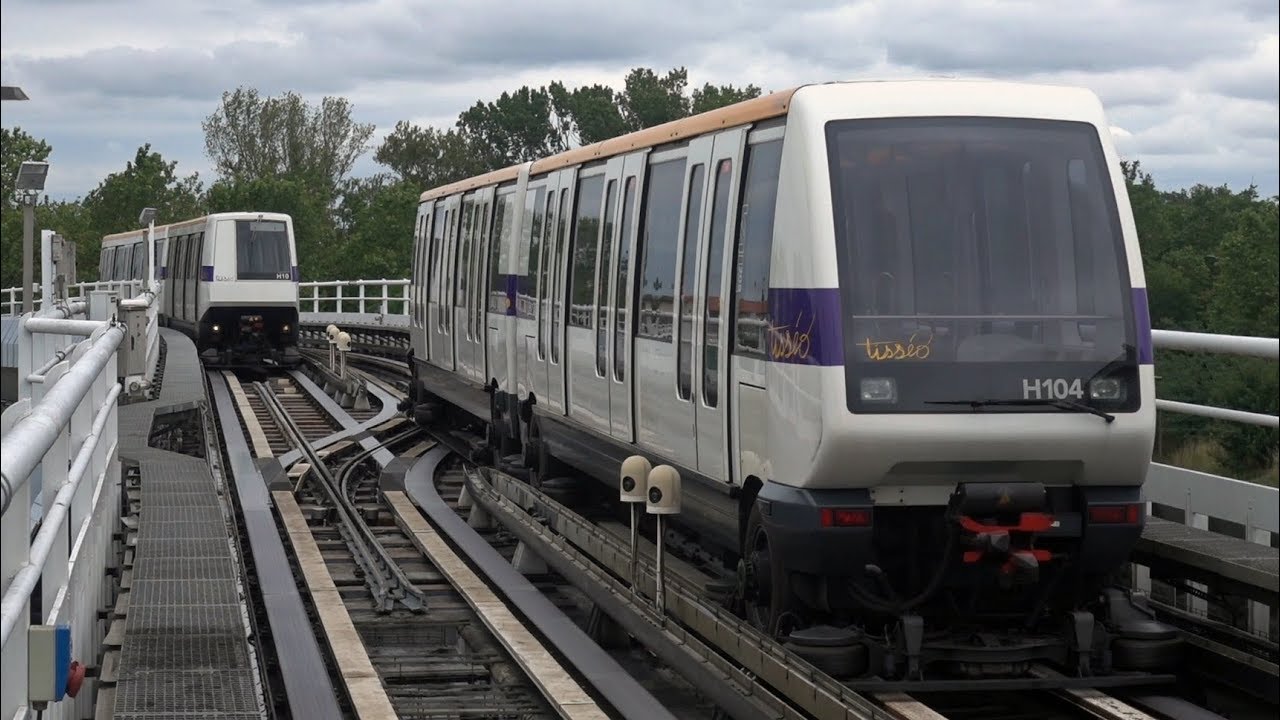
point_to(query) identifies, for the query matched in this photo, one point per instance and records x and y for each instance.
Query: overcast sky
(1190, 85)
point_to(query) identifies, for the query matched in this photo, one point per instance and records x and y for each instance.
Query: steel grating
(206, 694)
(181, 652)
(185, 619)
(184, 547)
(159, 529)
(198, 568)
(185, 652)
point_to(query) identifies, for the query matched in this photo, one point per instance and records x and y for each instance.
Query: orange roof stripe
(753, 110)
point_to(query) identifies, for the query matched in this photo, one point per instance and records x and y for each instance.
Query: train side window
(464, 255)
(688, 278)
(437, 247)
(714, 274)
(602, 278)
(544, 274)
(755, 247)
(486, 238)
(659, 239)
(104, 264)
(530, 256)
(139, 260)
(583, 250)
(123, 258)
(503, 209)
(558, 299)
(621, 294)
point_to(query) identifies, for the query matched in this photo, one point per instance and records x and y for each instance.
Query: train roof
(753, 110)
(237, 214)
(748, 111)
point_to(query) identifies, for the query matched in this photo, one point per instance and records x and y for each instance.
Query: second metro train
(894, 336)
(229, 281)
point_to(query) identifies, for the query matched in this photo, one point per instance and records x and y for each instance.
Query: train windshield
(262, 250)
(989, 246)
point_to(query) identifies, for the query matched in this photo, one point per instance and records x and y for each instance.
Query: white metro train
(229, 281)
(893, 335)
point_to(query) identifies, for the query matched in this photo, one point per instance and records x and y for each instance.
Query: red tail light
(845, 517)
(1115, 514)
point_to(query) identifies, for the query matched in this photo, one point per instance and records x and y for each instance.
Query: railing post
(386, 290)
(337, 304)
(360, 297)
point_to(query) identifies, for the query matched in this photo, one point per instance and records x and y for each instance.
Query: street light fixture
(148, 217)
(29, 183)
(12, 92)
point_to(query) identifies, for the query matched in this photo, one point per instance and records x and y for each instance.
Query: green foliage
(250, 137)
(427, 157)
(312, 225)
(16, 146)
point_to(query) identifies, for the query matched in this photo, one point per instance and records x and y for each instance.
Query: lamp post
(148, 217)
(30, 181)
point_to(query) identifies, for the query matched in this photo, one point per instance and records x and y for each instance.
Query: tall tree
(427, 157)
(710, 97)
(252, 137)
(586, 115)
(650, 99)
(312, 223)
(146, 181)
(17, 146)
(513, 129)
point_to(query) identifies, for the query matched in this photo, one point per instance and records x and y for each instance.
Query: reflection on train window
(262, 250)
(583, 250)
(755, 243)
(998, 239)
(659, 238)
(715, 264)
(621, 295)
(692, 224)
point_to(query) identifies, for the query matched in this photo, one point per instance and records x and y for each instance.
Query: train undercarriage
(234, 337)
(1004, 579)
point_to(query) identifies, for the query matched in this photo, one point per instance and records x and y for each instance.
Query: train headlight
(217, 328)
(879, 390)
(285, 328)
(1106, 389)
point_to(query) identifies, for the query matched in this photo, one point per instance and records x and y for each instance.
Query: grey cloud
(1193, 85)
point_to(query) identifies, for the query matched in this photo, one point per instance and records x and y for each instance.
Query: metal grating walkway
(184, 651)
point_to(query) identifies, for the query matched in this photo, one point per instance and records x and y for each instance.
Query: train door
(479, 285)
(618, 332)
(528, 264)
(173, 298)
(442, 334)
(499, 310)
(588, 390)
(418, 281)
(471, 279)
(190, 299)
(557, 303)
(710, 307)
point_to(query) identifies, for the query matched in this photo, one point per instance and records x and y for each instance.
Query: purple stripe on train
(1142, 323)
(206, 273)
(805, 327)
(294, 274)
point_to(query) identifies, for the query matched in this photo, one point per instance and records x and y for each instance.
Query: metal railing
(1204, 497)
(60, 440)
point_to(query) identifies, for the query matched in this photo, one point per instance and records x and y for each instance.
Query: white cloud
(1191, 88)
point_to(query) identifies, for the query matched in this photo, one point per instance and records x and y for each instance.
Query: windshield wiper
(1061, 404)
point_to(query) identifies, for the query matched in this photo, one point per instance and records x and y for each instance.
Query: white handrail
(23, 446)
(13, 605)
(1268, 348)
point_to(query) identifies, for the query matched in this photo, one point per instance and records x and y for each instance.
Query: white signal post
(662, 498)
(633, 485)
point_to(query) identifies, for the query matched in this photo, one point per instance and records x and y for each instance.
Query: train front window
(980, 258)
(262, 250)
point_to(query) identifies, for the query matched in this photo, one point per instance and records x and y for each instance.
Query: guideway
(178, 644)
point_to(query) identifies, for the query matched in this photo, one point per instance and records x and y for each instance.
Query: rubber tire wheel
(839, 662)
(779, 585)
(1130, 654)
